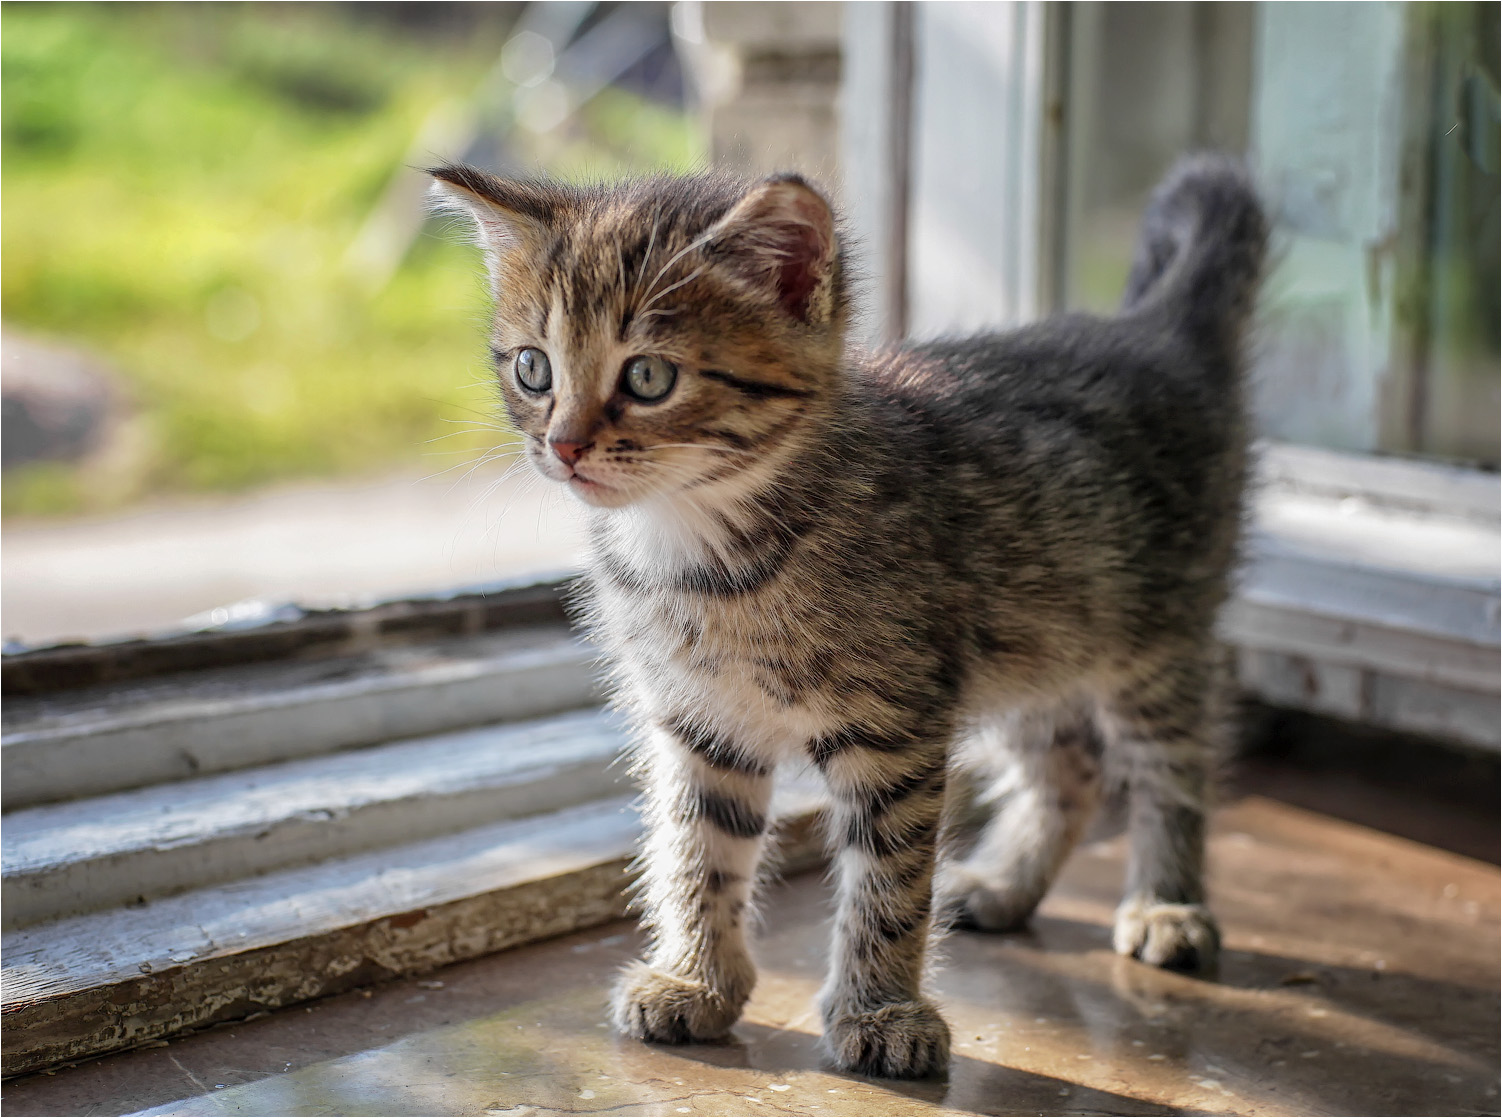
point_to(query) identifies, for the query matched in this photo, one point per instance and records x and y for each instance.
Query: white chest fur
(714, 659)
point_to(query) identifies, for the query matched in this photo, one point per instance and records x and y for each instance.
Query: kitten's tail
(1201, 252)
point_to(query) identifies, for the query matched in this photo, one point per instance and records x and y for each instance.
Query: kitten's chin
(597, 495)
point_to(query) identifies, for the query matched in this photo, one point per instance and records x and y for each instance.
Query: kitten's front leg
(888, 806)
(706, 818)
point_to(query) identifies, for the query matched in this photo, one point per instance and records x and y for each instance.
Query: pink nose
(569, 452)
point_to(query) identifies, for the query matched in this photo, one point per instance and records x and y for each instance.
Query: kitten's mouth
(591, 491)
(588, 489)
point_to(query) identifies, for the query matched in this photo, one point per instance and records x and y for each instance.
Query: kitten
(1006, 551)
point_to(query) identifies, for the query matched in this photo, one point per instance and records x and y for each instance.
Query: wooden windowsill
(211, 824)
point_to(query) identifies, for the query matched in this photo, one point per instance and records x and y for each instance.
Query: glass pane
(1372, 129)
(1148, 82)
(1454, 406)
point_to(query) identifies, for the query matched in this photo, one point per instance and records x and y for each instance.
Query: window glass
(1372, 129)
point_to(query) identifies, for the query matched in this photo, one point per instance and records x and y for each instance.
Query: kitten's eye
(649, 378)
(533, 370)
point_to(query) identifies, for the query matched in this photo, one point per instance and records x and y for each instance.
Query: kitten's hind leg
(706, 820)
(1042, 777)
(1162, 734)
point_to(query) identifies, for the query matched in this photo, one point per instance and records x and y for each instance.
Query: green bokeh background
(181, 183)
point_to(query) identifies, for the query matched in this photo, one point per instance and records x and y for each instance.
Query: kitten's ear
(781, 237)
(508, 215)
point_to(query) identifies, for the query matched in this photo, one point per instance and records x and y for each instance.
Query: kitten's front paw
(665, 1008)
(1175, 936)
(902, 1040)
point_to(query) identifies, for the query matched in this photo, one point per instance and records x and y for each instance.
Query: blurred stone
(58, 402)
(770, 78)
(771, 28)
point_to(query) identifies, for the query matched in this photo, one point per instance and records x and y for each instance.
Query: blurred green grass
(180, 185)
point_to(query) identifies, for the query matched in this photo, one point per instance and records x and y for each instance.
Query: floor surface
(1360, 977)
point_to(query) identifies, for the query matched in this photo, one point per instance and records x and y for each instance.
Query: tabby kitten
(1005, 551)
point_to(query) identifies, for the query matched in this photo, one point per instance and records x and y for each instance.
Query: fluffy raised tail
(1201, 251)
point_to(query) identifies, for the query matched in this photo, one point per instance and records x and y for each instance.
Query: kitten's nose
(569, 452)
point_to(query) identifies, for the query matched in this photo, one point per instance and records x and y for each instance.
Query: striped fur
(1003, 553)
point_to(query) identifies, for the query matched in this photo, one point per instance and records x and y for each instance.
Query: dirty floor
(1360, 977)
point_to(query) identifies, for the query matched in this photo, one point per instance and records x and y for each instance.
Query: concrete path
(315, 544)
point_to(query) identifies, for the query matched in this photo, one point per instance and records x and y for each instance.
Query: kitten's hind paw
(902, 1040)
(967, 902)
(665, 1008)
(1174, 936)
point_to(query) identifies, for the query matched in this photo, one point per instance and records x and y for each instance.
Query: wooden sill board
(1413, 485)
(93, 984)
(70, 858)
(1421, 629)
(1371, 593)
(105, 739)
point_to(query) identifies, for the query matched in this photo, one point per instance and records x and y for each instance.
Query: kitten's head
(663, 336)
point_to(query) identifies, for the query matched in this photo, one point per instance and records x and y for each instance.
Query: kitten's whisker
(651, 241)
(456, 434)
(524, 486)
(501, 451)
(495, 484)
(462, 431)
(476, 503)
(473, 466)
(695, 274)
(484, 416)
(484, 460)
(697, 242)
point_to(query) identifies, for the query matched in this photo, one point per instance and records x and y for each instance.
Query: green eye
(533, 370)
(649, 378)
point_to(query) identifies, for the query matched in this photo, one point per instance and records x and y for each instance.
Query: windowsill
(344, 796)
(1369, 988)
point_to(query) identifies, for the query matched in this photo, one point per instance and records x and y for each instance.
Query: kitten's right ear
(508, 215)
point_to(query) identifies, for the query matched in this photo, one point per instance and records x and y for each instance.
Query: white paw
(1175, 936)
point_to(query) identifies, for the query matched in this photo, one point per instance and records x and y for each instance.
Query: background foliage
(181, 183)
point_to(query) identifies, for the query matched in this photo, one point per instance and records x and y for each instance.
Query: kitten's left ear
(781, 238)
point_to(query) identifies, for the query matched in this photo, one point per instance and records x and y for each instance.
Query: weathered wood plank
(88, 743)
(1362, 695)
(88, 985)
(1346, 639)
(289, 632)
(119, 1015)
(84, 855)
(1425, 488)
